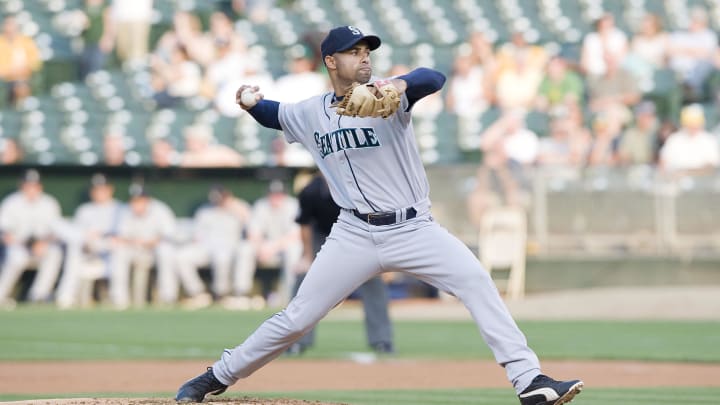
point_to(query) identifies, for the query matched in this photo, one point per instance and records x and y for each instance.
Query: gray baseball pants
(356, 251)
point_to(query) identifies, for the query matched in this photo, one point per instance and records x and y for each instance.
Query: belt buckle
(370, 216)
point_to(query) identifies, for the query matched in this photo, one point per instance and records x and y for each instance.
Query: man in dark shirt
(318, 213)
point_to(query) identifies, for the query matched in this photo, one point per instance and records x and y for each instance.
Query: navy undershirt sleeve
(266, 112)
(422, 82)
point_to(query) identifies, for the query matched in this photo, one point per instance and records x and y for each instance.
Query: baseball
(247, 98)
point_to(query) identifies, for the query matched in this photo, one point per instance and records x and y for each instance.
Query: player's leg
(167, 277)
(308, 339)
(378, 327)
(120, 262)
(16, 259)
(67, 291)
(244, 269)
(189, 258)
(221, 258)
(47, 273)
(290, 258)
(346, 260)
(425, 249)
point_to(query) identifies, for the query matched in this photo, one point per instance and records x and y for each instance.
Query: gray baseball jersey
(94, 223)
(360, 160)
(157, 224)
(25, 220)
(372, 165)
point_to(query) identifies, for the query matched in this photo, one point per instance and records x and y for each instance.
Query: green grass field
(48, 334)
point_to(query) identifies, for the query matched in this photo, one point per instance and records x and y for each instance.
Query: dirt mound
(164, 401)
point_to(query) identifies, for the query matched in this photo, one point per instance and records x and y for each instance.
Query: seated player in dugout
(362, 140)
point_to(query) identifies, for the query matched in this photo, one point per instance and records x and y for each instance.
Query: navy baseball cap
(343, 38)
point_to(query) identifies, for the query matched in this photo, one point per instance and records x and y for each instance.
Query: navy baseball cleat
(543, 390)
(196, 389)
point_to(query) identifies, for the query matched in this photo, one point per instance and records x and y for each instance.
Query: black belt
(384, 218)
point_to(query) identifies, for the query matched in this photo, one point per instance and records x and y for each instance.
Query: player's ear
(330, 62)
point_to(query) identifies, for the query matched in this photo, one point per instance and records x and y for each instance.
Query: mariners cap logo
(345, 37)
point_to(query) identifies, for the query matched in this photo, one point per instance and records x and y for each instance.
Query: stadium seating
(66, 120)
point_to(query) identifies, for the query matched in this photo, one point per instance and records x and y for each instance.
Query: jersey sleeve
(296, 118)
(290, 116)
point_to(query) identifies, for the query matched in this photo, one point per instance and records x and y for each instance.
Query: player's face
(353, 65)
(101, 194)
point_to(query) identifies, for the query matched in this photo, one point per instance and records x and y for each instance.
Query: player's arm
(264, 111)
(419, 83)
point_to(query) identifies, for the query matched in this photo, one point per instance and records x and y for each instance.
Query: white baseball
(247, 98)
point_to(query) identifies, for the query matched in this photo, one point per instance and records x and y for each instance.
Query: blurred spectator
(517, 85)
(230, 62)
(114, 148)
(163, 153)
(186, 32)
(201, 150)
(606, 41)
(692, 52)
(131, 22)
(145, 235)
(613, 92)
(276, 237)
(302, 80)
(222, 31)
(603, 151)
(28, 220)
(566, 147)
(638, 142)
(176, 80)
(227, 72)
(691, 149)
(98, 37)
(468, 91)
(96, 223)
(649, 46)
(234, 9)
(10, 152)
(218, 242)
(481, 53)
(19, 60)
(509, 148)
(559, 86)
(534, 57)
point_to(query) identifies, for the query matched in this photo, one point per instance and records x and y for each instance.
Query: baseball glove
(378, 99)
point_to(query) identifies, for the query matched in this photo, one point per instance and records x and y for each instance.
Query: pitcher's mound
(164, 401)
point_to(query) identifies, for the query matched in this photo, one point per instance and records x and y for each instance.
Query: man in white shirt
(691, 149)
(692, 51)
(96, 225)
(28, 221)
(144, 240)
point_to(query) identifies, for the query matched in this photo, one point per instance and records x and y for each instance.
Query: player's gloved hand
(377, 99)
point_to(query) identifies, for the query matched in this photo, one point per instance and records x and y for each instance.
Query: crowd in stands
(598, 95)
(117, 244)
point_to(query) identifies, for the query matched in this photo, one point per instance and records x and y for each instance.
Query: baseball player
(318, 213)
(29, 219)
(96, 224)
(275, 238)
(217, 241)
(365, 147)
(144, 240)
